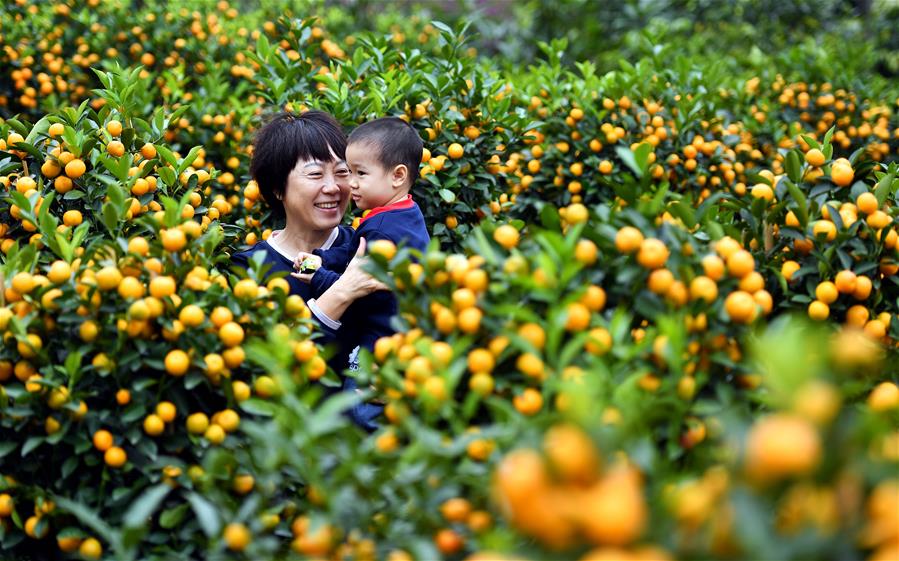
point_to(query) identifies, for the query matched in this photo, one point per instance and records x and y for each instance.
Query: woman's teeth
(326, 206)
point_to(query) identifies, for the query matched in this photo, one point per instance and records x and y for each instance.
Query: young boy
(383, 156)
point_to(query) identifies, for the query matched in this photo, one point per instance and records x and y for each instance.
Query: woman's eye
(342, 173)
(314, 176)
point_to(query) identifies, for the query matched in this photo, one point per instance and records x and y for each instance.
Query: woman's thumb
(361, 251)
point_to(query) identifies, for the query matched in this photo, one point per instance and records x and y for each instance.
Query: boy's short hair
(395, 142)
(284, 140)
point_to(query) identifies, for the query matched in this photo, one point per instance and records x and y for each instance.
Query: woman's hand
(353, 284)
(356, 280)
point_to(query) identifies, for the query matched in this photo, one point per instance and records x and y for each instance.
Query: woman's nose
(330, 183)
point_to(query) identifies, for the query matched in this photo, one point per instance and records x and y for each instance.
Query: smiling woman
(300, 168)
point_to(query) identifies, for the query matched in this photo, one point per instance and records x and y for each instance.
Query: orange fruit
(68, 544)
(884, 397)
(75, 168)
(107, 278)
(660, 281)
(653, 253)
(231, 334)
(455, 151)
(826, 228)
(845, 282)
(153, 425)
(827, 292)
(103, 440)
(197, 423)
(740, 307)
(23, 282)
(162, 286)
(384, 248)
(613, 511)
(7, 504)
(220, 316)
(56, 129)
(448, 542)
(841, 172)
(534, 334)
(628, 239)
(506, 236)
(166, 411)
(586, 252)
(863, 287)
(469, 320)
(815, 158)
(91, 549)
(115, 457)
(237, 536)
(191, 315)
(740, 263)
(31, 530)
(576, 213)
(578, 317)
(246, 289)
(572, 454)
(131, 288)
(782, 445)
(594, 298)
(703, 288)
(456, 509)
(713, 267)
(115, 148)
(177, 362)
(529, 402)
(481, 360)
(818, 310)
(214, 434)
(114, 127)
(788, 268)
(173, 239)
(867, 203)
(123, 397)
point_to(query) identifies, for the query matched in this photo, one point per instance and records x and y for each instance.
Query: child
(383, 156)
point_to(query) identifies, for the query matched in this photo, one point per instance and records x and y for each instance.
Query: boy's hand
(305, 266)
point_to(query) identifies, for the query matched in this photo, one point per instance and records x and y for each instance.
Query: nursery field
(655, 322)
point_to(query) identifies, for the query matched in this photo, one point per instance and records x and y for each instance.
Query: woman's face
(317, 193)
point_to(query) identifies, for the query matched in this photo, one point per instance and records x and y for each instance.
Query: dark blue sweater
(279, 263)
(368, 318)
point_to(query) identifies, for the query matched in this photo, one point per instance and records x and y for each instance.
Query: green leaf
(801, 203)
(145, 506)
(627, 156)
(447, 195)
(794, 166)
(206, 513)
(32, 443)
(173, 516)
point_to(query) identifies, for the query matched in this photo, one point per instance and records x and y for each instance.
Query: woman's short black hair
(394, 141)
(284, 140)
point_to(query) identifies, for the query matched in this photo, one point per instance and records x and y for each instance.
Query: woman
(300, 168)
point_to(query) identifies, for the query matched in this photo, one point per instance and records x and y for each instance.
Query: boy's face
(370, 184)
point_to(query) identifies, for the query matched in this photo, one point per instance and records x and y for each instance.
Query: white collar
(277, 247)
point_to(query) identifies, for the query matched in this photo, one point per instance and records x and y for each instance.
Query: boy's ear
(399, 176)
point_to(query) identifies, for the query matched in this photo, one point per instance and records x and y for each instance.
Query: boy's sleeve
(335, 258)
(322, 280)
(239, 260)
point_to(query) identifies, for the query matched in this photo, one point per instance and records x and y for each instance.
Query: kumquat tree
(656, 320)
